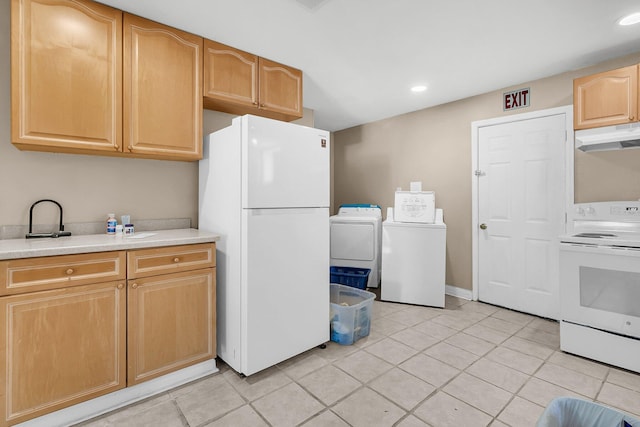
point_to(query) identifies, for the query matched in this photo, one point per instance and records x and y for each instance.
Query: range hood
(609, 137)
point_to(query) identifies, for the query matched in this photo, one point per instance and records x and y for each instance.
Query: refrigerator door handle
(285, 211)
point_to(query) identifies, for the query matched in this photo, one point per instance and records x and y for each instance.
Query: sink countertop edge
(31, 248)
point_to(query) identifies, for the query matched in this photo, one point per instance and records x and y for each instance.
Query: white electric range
(600, 283)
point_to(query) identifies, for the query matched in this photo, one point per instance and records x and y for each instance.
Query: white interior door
(521, 200)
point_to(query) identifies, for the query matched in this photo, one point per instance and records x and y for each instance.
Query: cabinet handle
(261, 105)
(69, 271)
(255, 102)
(631, 118)
(130, 148)
(134, 286)
(120, 286)
(116, 147)
(176, 259)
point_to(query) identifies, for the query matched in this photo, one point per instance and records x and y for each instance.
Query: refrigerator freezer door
(285, 281)
(285, 165)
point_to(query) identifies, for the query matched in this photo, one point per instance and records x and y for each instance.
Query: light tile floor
(470, 364)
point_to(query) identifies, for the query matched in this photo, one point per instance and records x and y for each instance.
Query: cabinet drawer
(35, 274)
(170, 259)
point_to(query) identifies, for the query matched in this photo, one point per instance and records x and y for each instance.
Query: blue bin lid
(359, 205)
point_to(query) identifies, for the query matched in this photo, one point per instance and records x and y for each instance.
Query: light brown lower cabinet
(61, 347)
(64, 341)
(171, 321)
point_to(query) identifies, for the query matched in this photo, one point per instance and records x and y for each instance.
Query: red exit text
(516, 99)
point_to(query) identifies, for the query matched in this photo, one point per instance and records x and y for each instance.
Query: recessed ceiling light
(418, 88)
(634, 18)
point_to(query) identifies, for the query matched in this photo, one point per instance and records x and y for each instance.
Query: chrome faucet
(60, 233)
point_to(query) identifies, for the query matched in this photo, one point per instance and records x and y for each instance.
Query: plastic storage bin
(350, 276)
(571, 412)
(350, 313)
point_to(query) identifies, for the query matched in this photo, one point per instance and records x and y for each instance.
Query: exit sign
(516, 99)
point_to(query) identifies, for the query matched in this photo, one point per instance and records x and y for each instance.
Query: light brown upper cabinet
(280, 89)
(230, 77)
(608, 98)
(238, 82)
(162, 90)
(88, 79)
(66, 76)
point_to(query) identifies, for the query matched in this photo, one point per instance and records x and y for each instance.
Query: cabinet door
(608, 98)
(162, 91)
(61, 347)
(171, 323)
(280, 90)
(230, 78)
(66, 76)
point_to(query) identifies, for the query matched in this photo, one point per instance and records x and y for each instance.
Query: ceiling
(361, 57)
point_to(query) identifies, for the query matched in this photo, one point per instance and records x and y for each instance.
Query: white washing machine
(356, 239)
(413, 262)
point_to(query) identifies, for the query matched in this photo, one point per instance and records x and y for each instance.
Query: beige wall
(89, 187)
(434, 146)
(607, 175)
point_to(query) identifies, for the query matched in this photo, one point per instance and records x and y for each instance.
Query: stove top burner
(606, 224)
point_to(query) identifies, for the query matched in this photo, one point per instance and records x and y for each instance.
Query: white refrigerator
(264, 187)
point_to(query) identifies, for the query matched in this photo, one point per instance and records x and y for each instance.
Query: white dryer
(356, 239)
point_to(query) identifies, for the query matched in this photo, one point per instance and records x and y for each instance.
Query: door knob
(483, 226)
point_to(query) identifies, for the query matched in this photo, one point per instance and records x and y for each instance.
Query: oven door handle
(624, 248)
(597, 249)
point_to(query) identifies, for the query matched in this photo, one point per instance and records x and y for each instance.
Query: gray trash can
(571, 412)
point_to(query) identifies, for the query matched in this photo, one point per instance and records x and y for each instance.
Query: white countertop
(29, 248)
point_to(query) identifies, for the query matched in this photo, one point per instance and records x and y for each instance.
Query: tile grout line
(366, 384)
(538, 331)
(443, 385)
(181, 414)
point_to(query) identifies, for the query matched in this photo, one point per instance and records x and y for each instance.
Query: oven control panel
(625, 210)
(613, 211)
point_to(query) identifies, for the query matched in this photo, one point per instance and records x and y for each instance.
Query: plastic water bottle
(111, 224)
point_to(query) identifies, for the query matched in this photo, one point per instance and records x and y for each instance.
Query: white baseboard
(455, 291)
(103, 404)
